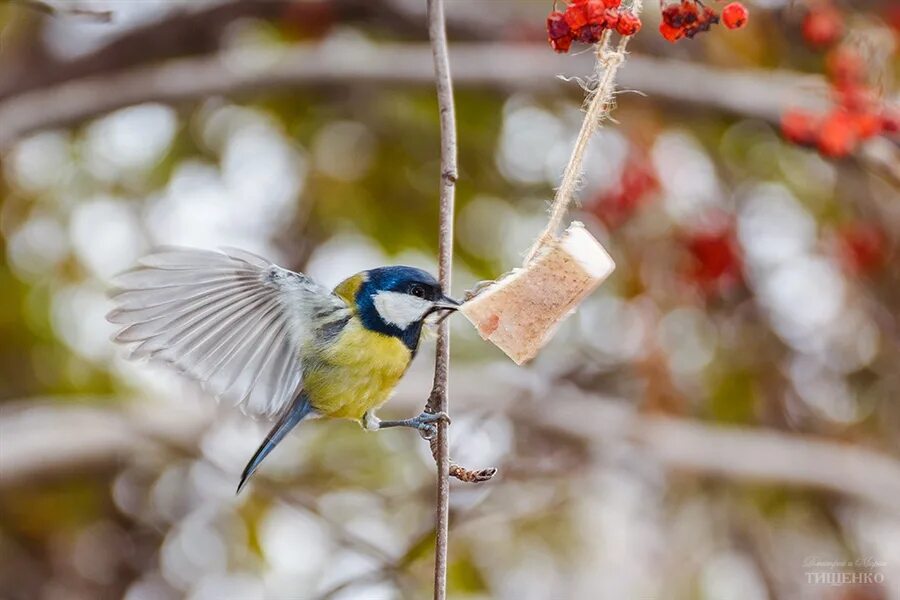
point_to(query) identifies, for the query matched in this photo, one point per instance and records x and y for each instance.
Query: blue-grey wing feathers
(231, 320)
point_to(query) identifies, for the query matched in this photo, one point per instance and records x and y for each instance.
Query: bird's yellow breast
(355, 373)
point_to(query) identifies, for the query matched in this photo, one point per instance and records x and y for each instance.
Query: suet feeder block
(520, 312)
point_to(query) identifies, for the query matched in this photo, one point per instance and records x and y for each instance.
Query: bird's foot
(426, 423)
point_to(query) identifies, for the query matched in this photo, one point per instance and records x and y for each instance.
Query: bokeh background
(720, 420)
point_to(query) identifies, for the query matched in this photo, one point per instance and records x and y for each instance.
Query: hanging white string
(598, 104)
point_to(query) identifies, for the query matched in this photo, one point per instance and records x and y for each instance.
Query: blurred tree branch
(741, 453)
(199, 30)
(32, 447)
(102, 16)
(753, 93)
(181, 33)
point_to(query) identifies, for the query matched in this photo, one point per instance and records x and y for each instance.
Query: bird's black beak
(446, 303)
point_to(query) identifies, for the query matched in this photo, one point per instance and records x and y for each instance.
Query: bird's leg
(425, 423)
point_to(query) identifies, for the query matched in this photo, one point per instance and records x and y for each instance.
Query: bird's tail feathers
(295, 413)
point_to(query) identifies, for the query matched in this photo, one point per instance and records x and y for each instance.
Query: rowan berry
(855, 98)
(861, 247)
(837, 137)
(822, 26)
(716, 263)
(844, 66)
(867, 124)
(735, 15)
(611, 19)
(890, 121)
(635, 187)
(596, 11)
(680, 14)
(576, 16)
(673, 34)
(559, 34)
(628, 23)
(590, 34)
(800, 127)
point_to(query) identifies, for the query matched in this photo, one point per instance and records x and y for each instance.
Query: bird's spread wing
(231, 320)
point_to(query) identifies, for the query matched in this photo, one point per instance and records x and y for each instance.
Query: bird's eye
(418, 291)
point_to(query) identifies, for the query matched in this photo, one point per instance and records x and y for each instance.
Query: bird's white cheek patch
(400, 310)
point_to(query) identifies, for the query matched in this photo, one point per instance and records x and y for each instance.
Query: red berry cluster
(861, 247)
(858, 113)
(715, 260)
(687, 18)
(635, 187)
(586, 20)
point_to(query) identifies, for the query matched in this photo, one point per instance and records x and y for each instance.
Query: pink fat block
(520, 313)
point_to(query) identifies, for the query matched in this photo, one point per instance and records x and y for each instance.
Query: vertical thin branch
(598, 108)
(438, 401)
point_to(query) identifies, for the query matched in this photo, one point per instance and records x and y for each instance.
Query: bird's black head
(396, 300)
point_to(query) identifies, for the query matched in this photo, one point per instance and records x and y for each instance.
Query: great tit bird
(275, 342)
